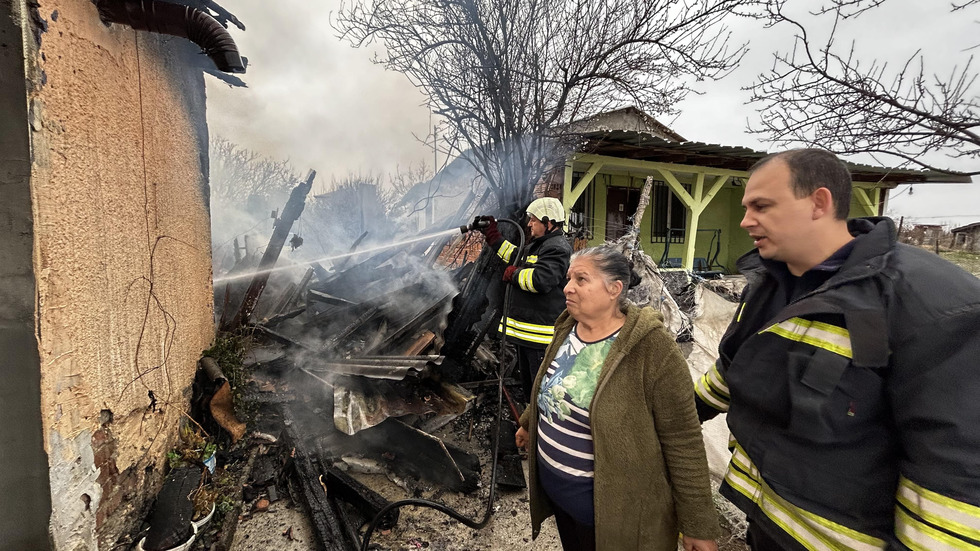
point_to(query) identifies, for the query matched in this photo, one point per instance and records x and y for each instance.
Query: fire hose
(441, 507)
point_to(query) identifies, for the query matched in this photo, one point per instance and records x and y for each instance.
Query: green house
(692, 222)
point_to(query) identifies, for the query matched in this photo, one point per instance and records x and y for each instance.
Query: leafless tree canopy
(505, 74)
(238, 173)
(820, 95)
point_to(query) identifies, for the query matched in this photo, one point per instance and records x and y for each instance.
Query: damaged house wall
(121, 257)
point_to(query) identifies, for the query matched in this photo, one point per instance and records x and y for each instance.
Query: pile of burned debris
(357, 363)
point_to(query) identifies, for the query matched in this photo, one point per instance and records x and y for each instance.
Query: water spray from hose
(248, 275)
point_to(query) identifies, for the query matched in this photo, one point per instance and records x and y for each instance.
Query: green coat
(651, 472)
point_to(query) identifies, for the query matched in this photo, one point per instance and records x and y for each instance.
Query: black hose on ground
(441, 507)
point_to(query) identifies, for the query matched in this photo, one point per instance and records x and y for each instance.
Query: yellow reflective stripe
(532, 259)
(506, 250)
(946, 513)
(529, 337)
(524, 326)
(740, 310)
(922, 537)
(822, 335)
(810, 530)
(524, 280)
(713, 390)
(717, 381)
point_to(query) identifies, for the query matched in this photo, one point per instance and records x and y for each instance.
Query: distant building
(924, 235)
(967, 237)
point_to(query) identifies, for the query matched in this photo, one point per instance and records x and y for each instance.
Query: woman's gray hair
(613, 266)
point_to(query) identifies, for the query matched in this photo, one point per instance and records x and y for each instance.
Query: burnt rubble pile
(357, 365)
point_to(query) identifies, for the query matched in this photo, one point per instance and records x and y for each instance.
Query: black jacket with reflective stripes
(856, 407)
(538, 296)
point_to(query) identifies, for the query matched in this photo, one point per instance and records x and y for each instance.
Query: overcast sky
(321, 104)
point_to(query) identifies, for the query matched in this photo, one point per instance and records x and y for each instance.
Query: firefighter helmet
(547, 208)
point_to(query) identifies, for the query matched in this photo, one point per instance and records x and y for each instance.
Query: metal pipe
(161, 17)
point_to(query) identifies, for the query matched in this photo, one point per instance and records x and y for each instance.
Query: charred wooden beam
(331, 533)
(421, 343)
(345, 333)
(326, 298)
(294, 207)
(275, 336)
(276, 320)
(367, 502)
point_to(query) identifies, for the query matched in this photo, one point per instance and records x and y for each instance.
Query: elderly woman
(615, 448)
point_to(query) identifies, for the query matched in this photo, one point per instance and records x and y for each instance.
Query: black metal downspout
(195, 25)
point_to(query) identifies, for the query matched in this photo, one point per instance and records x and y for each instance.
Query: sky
(321, 104)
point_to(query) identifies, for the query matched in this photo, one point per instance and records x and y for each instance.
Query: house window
(582, 217)
(669, 220)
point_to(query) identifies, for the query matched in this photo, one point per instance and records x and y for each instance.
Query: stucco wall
(121, 260)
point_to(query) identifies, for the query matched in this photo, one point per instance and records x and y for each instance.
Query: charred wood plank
(276, 320)
(421, 343)
(305, 469)
(275, 336)
(326, 298)
(351, 328)
(367, 502)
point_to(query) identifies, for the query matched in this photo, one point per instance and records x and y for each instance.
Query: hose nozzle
(478, 223)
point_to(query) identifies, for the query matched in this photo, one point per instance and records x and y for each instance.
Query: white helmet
(547, 208)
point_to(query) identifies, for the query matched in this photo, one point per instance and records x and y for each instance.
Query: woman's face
(587, 295)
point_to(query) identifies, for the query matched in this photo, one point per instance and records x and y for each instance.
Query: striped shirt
(565, 456)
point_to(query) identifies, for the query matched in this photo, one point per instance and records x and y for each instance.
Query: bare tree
(506, 75)
(238, 173)
(820, 95)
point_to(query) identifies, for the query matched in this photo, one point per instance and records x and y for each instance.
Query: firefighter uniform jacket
(855, 408)
(538, 296)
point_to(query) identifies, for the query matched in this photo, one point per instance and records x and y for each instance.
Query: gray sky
(323, 105)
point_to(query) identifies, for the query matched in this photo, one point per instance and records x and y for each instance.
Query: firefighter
(538, 278)
(850, 375)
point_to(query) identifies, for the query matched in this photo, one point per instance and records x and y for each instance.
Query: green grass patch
(966, 260)
(229, 351)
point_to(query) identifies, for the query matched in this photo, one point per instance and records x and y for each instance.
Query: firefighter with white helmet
(538, 278)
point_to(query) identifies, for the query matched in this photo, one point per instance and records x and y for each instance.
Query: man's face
(536, 226)
(780, 225)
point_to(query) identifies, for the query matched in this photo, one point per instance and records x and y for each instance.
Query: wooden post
(294, 207)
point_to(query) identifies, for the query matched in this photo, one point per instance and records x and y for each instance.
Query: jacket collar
(556, 233)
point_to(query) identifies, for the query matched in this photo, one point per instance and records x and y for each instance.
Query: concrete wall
(121, 259)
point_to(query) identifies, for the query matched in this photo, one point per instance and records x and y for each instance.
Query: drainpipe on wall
(195, 25)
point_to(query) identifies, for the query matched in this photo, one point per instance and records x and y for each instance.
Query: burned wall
(121, 259)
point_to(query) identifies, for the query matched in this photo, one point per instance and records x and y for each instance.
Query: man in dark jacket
(850, 375)
(538, 278)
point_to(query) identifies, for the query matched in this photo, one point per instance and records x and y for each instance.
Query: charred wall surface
(121, 258)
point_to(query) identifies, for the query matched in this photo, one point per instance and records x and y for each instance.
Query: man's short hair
(813, 169)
